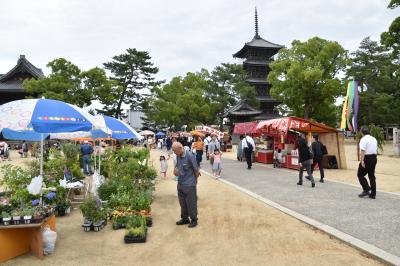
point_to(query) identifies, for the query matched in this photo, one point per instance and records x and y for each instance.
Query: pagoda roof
(257, 80)
(267, 99)
(23, 66)
(265, 116)
(242, 109)
(258, 42)
(255, 62)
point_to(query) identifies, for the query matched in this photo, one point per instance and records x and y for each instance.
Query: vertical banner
(344, 111)
(350, 108)
(356, 103)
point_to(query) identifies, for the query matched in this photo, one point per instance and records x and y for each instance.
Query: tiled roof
(22, 65)
(242, 109)
(15, 86)
(258, 42)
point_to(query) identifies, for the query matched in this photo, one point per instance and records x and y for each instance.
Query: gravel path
(376, 222)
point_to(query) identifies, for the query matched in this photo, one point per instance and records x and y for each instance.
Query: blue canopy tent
(28, 135)
(160, 134)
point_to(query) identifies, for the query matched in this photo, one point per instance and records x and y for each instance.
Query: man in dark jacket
(305, 160)
(318, 155)
(86, 150)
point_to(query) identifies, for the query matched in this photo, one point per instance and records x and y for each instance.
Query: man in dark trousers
(368, 160)
(86, 150)
(188, 171)
(318, 155)
(248, 147)
(305, 160)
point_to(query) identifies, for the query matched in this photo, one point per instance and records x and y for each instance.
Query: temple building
(257, 55)
(11, 83)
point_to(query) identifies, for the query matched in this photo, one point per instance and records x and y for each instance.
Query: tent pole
(338, 148)
(41, 153)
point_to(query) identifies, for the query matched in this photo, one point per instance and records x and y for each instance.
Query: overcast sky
(181, 36)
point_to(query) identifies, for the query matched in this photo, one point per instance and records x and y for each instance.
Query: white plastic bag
(49, 240)
(97, 180)
(63, 183)
(35, 186)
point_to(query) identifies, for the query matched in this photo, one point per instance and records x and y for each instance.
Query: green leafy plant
(92, 210)
(5, 215)
(16, 212)
(14, 178)
(27, 211)
(134, 221)
(136, 232)
(71, 153)
(376, 132)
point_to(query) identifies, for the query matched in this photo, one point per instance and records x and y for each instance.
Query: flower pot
(16, 219)
(149, 221)
(6, 221)
(60, 211)
(28, 219)
(98, 226)
(87, 226)
(68, 210)
(133, 239)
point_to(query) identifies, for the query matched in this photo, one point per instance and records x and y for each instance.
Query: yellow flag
(343, 121)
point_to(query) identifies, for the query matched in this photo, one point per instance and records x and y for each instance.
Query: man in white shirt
(248, 147)
(207, 141)
(368, 151)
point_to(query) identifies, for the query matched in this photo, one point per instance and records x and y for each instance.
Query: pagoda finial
(256, 23)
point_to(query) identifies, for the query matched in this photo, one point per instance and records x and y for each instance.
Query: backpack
(324, 149)
(310, 152)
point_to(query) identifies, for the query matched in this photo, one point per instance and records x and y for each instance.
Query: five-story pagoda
(257, 54)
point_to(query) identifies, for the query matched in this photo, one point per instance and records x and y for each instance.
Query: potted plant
(99, 220)
(119, 220)
(135, 235)
(62, 207)
(16, 216)
(27, 213)
(38, 214)
(94, 215)
(6, 218)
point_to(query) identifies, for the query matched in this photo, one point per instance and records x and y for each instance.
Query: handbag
(249, 146)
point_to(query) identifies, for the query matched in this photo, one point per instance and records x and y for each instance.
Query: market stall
(283, 133)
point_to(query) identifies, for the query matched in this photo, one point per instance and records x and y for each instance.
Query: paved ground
(376, 222)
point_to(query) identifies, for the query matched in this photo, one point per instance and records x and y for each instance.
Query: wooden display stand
(16, 240)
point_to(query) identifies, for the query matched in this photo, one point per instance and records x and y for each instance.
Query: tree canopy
(372, 65)
(304, 78)
(198, 98)
(181, 102)
(133, 73)
(64, 83)
(391, 38)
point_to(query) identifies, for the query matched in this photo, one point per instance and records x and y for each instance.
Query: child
(278, 159)
(217, 164)
(163, 166)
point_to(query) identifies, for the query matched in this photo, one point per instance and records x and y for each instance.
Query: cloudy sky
(181, 36)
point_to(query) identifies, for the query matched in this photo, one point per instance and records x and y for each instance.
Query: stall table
(265, 156)
(16, 240)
